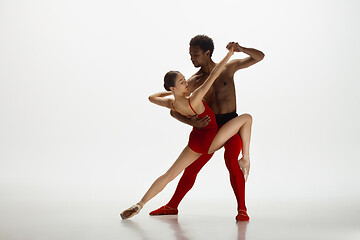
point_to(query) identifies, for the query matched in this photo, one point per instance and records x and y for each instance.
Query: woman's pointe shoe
(131, 211)
(244, 163)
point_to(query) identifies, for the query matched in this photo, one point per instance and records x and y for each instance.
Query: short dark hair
(204, 42)
(169, 79)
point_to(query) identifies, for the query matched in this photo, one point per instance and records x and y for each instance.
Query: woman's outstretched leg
(186, 182)
(186, 157)
(242, 125)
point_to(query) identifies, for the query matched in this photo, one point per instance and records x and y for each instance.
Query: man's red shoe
(164, 210)
(242, 216)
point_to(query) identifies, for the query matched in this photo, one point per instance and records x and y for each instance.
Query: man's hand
(244, 163)
(199, 123)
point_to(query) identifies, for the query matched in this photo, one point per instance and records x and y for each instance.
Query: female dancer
(204, 140)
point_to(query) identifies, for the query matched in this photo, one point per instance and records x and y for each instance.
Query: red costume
(200, 141)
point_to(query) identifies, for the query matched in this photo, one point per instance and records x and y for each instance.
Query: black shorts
(221, 119)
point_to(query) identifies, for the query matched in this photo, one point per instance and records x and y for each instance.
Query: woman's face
(181, 85)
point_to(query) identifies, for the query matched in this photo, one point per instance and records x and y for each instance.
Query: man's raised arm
(255, 56)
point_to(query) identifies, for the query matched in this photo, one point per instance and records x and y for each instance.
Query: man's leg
(185, 184)
(232, 151)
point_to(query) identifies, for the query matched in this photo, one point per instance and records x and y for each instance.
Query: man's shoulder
(229, 69)
(196, 75)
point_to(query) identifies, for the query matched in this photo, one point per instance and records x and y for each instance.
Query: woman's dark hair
(169, 79)
(204, 42)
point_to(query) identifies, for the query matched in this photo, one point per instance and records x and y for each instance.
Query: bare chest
(221, 96)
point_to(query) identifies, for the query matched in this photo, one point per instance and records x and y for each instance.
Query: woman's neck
(179, 97)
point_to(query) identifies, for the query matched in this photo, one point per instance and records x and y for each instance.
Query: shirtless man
(222, 100)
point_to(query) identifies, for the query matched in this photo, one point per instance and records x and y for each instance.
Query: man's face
(198, 56)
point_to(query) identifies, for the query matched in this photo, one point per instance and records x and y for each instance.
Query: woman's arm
(200, 92)
(159, 99)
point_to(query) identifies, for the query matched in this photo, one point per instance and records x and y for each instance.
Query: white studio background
(76, 125)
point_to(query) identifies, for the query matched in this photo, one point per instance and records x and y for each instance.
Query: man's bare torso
(221, 97)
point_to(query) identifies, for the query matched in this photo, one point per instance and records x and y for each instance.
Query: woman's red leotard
(201, 139)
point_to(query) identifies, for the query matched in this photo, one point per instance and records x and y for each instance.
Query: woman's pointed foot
(244, 164)
(131, 211)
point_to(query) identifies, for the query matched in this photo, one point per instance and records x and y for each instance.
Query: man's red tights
(232, 151)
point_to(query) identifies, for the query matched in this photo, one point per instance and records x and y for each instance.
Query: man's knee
(233, 167)
(233, 151)
(230, 158)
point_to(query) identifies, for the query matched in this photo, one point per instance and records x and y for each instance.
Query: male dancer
(222, 100)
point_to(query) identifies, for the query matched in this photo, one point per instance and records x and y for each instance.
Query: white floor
(22, 219)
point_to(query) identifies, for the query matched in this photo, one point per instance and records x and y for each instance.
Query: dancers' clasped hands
(235, 45)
